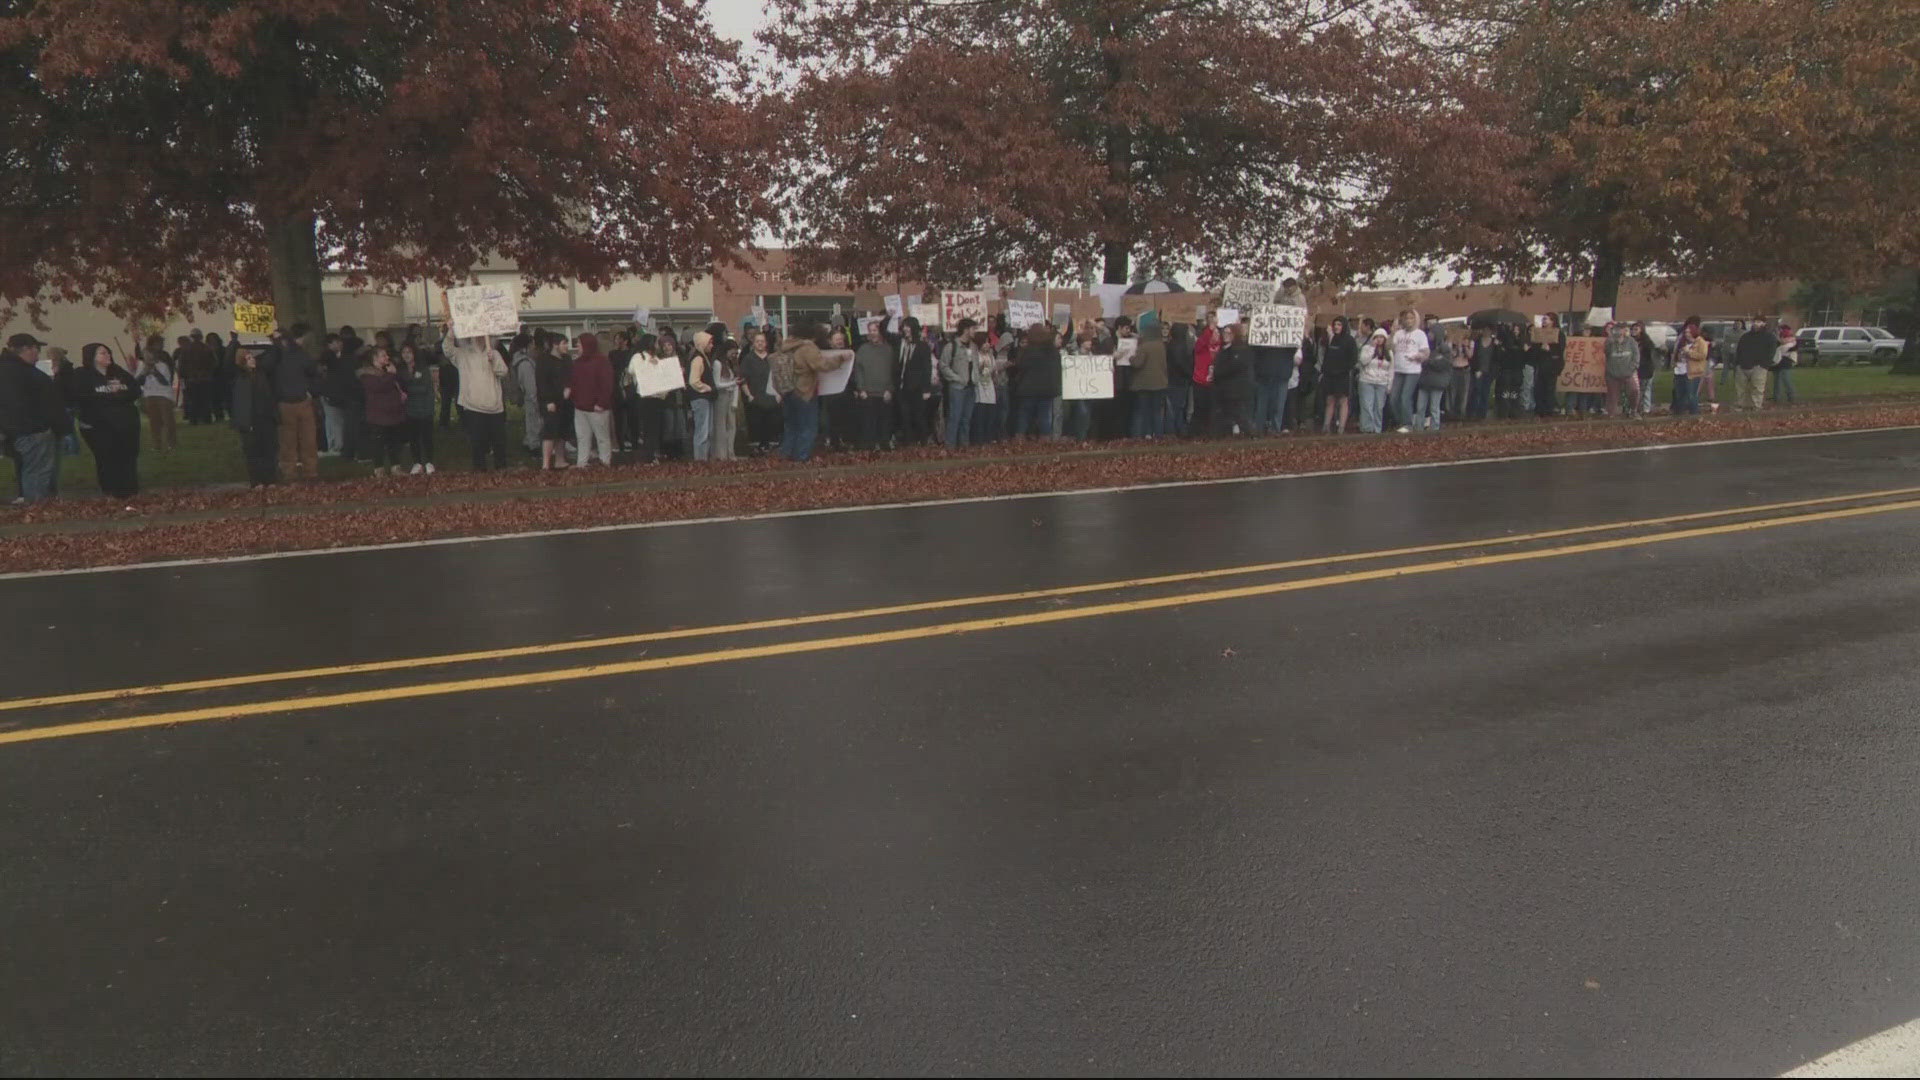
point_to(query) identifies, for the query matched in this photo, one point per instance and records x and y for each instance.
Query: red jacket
(591, 383)
(1203, 353)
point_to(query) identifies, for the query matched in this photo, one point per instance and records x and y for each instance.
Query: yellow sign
(253, 319)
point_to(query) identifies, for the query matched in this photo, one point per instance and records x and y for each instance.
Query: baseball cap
(25, 341)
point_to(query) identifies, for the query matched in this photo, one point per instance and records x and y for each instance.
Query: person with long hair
(418, 378)
(726, 401)
(551, 376)
(254, 403)
(106, 401)
(1376, 381)
(1180, 361)
(1036, 382)
(1340, 358)
(385, 403)
(700, 376)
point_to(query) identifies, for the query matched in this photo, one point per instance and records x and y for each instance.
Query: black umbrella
(1498, 317)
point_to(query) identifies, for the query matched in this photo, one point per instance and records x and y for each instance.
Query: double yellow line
(788, 648)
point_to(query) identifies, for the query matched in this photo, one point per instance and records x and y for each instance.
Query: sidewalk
(196, 523)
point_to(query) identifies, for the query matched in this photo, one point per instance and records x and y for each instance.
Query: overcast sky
(737, 19)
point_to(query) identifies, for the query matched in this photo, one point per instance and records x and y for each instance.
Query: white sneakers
(416, 470)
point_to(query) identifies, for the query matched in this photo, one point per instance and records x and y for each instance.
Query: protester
(1274, 371)
(590, 390)
(1691, 366)
(796, 375)
(1180, 364)
(916, 386)
(762, 405)
(106, 402)
(1376, 381)
(700, 375)
(417, 378)
(523, 377)
(385, 409)
(1076, 414)
(197, 370)
(1786, 356)
(1436, 379)
(295, 375)
(1035, 381)
(1149, 420)
(1339, 364)
(726, 402)
(959, 367)
(224, 369)
(253, 403)
(1623, 371)
(1206, 347)
(32, 418)
(1411, 348)
(552, 375)
(1233, 385)
(873, 378)
(159, 393)
(1754, 354)
(654, 359)
(1645, 370)
(483, 410)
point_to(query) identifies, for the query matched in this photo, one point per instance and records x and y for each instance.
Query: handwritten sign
(1083, 377)
(835, 381)
(656, 376)
(896, 305)
(1242, 292)
(253, 319)
(955, 306)
(1276, 325)
(926, 315)
(1062, 314)
(642, 316)
(1124, 350)
(483, 310)
(1586, 370)
(1228, 316)
(1024, 313)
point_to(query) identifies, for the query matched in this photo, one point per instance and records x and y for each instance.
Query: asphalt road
(1604, 802)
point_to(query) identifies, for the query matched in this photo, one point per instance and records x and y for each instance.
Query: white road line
(1893, 1052)
(874, 507)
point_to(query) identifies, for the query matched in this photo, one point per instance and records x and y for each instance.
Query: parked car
(1848, 344)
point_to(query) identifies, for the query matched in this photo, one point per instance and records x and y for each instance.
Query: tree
(1714, 140)
(943, 140)
(156, 149)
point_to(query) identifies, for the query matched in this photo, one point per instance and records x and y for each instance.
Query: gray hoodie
(873, 367)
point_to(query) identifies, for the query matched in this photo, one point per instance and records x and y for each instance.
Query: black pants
(420, 438)
(387, 440)
(914, 413)
(261, 447)
(199, 401)
(649, 422)
(1227, 412)
(222, 395)
(763, 423)
(874, 415)
(488, 433)
(449, 393)
(116, 457)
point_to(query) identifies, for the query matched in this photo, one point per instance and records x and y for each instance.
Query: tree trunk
(294, 255)
(1116, 263)
(1608, 269)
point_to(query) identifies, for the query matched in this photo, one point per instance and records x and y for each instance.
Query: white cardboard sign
(1276, 325)
(483, 310)
(1083, 377)
(1024, 313)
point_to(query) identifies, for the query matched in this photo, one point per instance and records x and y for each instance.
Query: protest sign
(655, 376)
(1062, 314)
(1241, 292)
(1228, 316)
(253, 319)
(926, 314)
(1276, 325)
(1586, 370)
(483, 310)
(1024, 313)
(835, 381)
(865, 321)
(1172, 306)
(642, 316)
(955, 306)
(990, 286)
(896, 305)
(1123, 350)
(1083, 377)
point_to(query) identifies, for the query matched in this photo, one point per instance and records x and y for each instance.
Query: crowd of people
(709, 395)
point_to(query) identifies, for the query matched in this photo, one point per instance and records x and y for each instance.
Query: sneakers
(430, 469)
(1403, 431)
(416, 470)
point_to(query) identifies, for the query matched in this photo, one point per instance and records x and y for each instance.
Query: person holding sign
(1233, 386)
(1036, 383)
(482, 401)
(874, 375)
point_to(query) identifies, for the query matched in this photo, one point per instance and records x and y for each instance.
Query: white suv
(1852, 344)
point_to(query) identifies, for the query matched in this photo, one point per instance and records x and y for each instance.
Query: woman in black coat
(106, 400)
(1036, 382)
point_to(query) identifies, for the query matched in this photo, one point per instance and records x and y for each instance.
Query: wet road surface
(1594, 802)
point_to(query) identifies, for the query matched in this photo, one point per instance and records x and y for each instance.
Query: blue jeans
(1179, 403)
(1427, 409)
(702, 429)
(1684, 400)
(35, 457)
(1401, 395)
(1373, 397)
(1269, 402)
(800, 426)
(959, 416)
(1077, 422)
(1033, 416)
(1783, 383)
(1646, 395)
(1478, 397)
(1149, 414)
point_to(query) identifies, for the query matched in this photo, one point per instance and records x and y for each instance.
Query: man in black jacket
(32, 418)
(915, 372)
(1752, 356)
